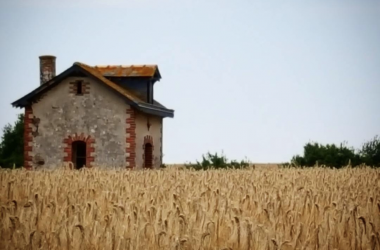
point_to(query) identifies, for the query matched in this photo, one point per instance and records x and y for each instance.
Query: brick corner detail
(131, 138)
(28, 137)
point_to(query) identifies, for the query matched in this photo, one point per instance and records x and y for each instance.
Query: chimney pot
(47, 68)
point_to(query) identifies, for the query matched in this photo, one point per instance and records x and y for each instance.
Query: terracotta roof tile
(130, 71)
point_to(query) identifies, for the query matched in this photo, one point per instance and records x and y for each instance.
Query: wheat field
(315, 208)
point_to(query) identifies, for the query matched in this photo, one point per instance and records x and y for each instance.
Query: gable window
(79, 88)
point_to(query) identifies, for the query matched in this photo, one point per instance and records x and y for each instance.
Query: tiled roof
(93, 71)
(127, 71)
(101, 73)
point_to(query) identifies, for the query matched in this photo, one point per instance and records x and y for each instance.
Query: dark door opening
(79, 154)
(148, 152)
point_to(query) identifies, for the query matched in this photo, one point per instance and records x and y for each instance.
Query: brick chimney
(47, 68)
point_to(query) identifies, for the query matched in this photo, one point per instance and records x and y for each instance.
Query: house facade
(102, 116)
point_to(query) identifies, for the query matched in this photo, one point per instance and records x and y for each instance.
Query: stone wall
(98, 113)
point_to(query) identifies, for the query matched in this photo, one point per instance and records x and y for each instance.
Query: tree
(329, 155)
(12, 144)
(370, 152)
(339, 156)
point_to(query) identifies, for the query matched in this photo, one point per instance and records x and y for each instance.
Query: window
(148, 156)
(79, 87)
(79, 154)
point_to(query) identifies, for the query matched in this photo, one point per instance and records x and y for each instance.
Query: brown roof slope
(93, 71)
(127, 71)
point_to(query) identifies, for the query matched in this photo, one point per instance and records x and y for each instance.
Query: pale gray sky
(256, 79)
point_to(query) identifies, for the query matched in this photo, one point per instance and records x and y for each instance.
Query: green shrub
(215, 161)
(370, 152)
(316, 154)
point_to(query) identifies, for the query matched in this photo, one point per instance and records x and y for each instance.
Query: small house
(94, 116)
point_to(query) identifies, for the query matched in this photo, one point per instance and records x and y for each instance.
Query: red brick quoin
(89, 148)
(131, 138)
(28, 137)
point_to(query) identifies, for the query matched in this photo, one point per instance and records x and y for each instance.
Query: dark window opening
(148, 152)
(79, 88)
(79, 154)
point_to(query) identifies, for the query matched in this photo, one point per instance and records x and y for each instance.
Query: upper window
(79, 87)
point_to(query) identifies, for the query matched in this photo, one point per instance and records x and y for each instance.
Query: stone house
(94, 116)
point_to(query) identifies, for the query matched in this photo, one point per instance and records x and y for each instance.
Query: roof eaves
(156, 103)
(23, 101)
(155, 110)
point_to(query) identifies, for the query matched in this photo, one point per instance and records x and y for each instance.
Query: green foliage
(370, 152)
(12, 144)
(338, 156)
(215, 161)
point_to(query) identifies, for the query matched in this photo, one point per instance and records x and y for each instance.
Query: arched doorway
(79, 154)
(148, 155)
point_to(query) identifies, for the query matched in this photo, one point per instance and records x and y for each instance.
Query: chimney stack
(47, 68)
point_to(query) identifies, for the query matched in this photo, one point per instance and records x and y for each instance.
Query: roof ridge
(143, 70)
(80, 64)
(116, 65)
(125, 65)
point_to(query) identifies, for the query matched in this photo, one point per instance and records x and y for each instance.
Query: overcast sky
(256, 79)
